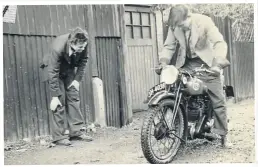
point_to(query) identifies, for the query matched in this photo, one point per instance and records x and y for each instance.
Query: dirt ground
(122, 146)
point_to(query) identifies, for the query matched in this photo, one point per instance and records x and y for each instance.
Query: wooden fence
(240, 39)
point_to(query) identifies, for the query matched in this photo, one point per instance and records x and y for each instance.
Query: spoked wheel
(160, 135)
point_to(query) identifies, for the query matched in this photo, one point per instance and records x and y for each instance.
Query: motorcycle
(179, 109)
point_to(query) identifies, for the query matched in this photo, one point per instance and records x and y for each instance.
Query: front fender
(160, 96)
(154, 101)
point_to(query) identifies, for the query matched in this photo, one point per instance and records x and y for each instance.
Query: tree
(243, 12)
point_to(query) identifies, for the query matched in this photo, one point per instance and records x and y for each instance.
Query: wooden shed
(26, 98)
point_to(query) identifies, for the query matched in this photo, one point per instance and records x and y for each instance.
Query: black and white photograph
(129, 83)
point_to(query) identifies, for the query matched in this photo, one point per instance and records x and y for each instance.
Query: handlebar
(203, 70)
(158, 70)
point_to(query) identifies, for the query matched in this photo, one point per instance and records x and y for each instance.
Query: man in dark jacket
(64, 68)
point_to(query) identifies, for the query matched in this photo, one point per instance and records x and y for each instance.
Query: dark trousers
(69, 111)
(215, 92)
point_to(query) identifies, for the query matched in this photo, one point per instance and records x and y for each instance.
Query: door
(142, 53)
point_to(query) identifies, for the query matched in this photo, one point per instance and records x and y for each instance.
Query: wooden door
(142, 53)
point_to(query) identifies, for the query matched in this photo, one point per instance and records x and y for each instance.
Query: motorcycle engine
(196, 107)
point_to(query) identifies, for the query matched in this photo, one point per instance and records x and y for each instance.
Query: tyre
(149, 125)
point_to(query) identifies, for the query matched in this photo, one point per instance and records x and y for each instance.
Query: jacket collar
(66, 53)
(180, 36)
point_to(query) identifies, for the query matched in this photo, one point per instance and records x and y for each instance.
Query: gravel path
(122, 146)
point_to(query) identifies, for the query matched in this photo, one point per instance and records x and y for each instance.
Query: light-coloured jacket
(206, 41)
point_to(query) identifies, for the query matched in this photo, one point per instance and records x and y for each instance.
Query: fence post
(126, 111)
(229, 40)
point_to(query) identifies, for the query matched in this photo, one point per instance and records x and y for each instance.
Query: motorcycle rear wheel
(146, 134)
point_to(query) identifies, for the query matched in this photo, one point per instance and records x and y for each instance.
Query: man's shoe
(225, 142)
(64, 142)
(83, 137)
(211, 136)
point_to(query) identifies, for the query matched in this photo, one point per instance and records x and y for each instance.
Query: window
(138, 25)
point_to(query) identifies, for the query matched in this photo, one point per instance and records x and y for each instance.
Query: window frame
(132, 25)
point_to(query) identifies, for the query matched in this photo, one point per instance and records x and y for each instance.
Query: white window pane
(136, 18)
(146, 32)
(129, 33)
(137, 32)
(145, 19)
(127, 18)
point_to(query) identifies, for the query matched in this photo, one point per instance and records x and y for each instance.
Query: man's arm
(82, 66)
(53, 73)
(219, 45)
(169, 48)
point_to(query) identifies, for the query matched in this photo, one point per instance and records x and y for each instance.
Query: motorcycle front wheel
(158, 129)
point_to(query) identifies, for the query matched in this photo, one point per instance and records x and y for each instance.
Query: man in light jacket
(201, 44)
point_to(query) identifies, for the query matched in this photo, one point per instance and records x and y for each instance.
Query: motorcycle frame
(182, 103)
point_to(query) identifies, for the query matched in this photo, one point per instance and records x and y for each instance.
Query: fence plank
(9, 113)
(35, 50)
(244, 69)
(125, 94)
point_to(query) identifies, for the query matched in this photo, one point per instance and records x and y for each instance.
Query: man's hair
(177, 14)
(78, 35)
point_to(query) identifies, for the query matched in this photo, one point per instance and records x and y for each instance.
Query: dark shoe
(225, 142)
(211, 136)
(64, 142)
(83, 137)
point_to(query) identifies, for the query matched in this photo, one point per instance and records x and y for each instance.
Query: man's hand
(162, 64)
(216, 70)
(76, 85)
(159, 68)
(55, 102)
